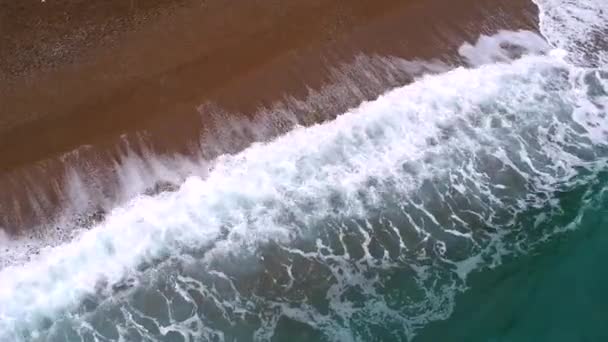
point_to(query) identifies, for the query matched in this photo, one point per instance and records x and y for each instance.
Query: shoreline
(154, 78)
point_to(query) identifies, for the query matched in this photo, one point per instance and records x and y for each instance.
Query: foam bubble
(579, 27)
(503, 47)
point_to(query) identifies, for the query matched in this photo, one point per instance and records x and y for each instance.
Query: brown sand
(76, 72)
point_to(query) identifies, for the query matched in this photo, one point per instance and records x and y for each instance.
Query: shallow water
(466, 206)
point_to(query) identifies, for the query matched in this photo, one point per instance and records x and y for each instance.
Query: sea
(467, 205)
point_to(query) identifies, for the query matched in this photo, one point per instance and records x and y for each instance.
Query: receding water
(466, 206)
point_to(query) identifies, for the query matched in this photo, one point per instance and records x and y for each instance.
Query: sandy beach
(78, 73)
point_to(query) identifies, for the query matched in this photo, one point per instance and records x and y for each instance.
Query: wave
(86, 183)
(370, 222)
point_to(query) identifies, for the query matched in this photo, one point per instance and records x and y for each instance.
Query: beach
(90, 75)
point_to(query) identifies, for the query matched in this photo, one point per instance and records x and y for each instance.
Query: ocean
(468, 205)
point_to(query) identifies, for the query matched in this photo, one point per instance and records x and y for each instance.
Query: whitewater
(362, 226)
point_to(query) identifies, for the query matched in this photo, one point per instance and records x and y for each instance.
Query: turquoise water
(557, 293)
(466, 206)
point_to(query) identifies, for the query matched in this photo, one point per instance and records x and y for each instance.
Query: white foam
(503, 47)
(579, 27)
(4, 239)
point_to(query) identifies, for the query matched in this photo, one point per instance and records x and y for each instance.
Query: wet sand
(77, 73)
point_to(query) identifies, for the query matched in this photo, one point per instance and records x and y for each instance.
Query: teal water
(557, 293)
